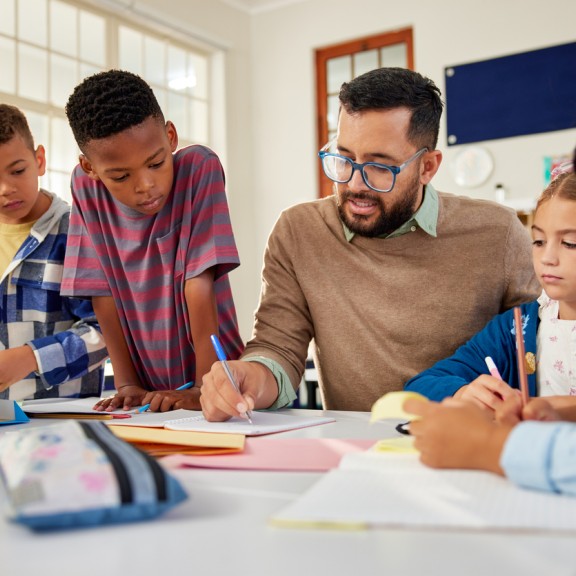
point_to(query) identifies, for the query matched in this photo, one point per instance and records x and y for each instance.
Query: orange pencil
(520, 356)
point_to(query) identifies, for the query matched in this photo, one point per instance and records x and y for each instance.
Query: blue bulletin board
(514, 95)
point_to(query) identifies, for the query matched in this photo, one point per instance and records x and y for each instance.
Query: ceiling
(256, 6)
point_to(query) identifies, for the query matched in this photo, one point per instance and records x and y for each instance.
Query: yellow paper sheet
(404, 445)
(391, 406)
(200, 440)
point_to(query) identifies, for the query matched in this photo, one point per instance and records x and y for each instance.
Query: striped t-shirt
(143, 262)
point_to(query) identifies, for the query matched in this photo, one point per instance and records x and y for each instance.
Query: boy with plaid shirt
(50, 345)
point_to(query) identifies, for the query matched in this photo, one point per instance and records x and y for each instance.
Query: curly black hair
(12, 122)
(109, 102)
(388, 88)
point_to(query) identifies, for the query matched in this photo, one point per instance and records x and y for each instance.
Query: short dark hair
(109, 102)
(13, 122)
(388, 88)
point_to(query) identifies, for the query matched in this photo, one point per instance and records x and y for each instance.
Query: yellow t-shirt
(12, 237)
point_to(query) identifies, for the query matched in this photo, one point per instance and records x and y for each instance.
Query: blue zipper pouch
(75, 473)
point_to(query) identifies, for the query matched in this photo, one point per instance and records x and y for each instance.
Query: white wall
(271, 158)
(446, 32)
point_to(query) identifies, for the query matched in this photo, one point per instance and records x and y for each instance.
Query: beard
(389, 219)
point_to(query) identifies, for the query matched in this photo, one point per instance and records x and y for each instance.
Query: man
(388, 275)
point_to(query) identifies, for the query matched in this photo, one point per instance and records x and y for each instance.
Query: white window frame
(117, 15)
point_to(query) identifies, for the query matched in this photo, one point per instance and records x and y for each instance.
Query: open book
(69, 408)
(262, 422)
(371, 490)
(190, 420)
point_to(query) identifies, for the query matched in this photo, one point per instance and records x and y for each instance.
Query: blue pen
(183, 387)
(222, 357)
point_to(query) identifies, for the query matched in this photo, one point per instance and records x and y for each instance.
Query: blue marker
(222, 357)
(183, 387)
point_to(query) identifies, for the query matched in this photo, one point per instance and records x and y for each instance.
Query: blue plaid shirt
(62, 331)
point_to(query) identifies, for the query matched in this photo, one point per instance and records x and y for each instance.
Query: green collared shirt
(426, 217)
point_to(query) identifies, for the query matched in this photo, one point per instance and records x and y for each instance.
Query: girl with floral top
(549, 323)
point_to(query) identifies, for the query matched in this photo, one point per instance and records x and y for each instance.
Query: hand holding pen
(222, 358)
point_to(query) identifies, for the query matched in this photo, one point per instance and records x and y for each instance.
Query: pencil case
(75, 473)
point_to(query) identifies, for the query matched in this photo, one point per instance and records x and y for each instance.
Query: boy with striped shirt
(150, 241)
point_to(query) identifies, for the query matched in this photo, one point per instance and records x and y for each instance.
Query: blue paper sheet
(11, 413)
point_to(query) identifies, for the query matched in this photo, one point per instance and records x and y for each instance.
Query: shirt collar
(426, 218)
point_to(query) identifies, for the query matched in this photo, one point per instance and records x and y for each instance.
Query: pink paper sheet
(296, 454)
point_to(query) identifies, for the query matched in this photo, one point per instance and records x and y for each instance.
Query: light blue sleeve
(286, 394)
(542, 456)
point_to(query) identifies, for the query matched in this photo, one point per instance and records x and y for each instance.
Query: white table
(222, 530)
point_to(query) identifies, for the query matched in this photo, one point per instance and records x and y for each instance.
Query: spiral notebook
(262, 422)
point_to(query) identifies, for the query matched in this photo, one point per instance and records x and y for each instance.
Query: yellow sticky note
(404, 445)
(391, 405)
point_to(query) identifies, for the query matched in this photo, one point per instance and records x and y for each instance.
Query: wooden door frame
(322, 55)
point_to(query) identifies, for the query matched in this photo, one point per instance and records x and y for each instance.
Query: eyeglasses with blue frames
(378, 177)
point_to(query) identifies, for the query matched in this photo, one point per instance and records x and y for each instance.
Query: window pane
(87, 70)
(63, 152)
(32, 65)
(332, 116)
(338, 70)
(365, 61)
(130, 50)
(39, 127)
(59, 183)
(198, 69)
(177, 104)
(63, 24)
(199, 121)
(92, 38)
(7, 20)
(154, 61)
(7, 66)
(177, 72)
(161, 96)
(32, 21)
(63, 79)
(394, 55)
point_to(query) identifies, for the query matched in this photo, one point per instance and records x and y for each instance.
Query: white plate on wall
(471, 166)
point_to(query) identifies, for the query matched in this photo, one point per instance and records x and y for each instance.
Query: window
(44, 57)
(343, 62)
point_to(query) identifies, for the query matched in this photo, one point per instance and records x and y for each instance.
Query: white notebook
(61, 406)
(262, 422)
(391, 491)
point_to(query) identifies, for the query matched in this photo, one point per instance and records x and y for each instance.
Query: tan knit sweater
(382, 310)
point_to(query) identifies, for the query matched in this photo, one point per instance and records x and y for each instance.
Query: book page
(262, 423)
(404, 493)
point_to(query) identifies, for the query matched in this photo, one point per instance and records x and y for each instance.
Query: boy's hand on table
(165, 400)
(126, 398)
(486, 392)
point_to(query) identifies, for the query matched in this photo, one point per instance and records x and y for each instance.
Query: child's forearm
(203, 318)
(124, 370)
(16, 364)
